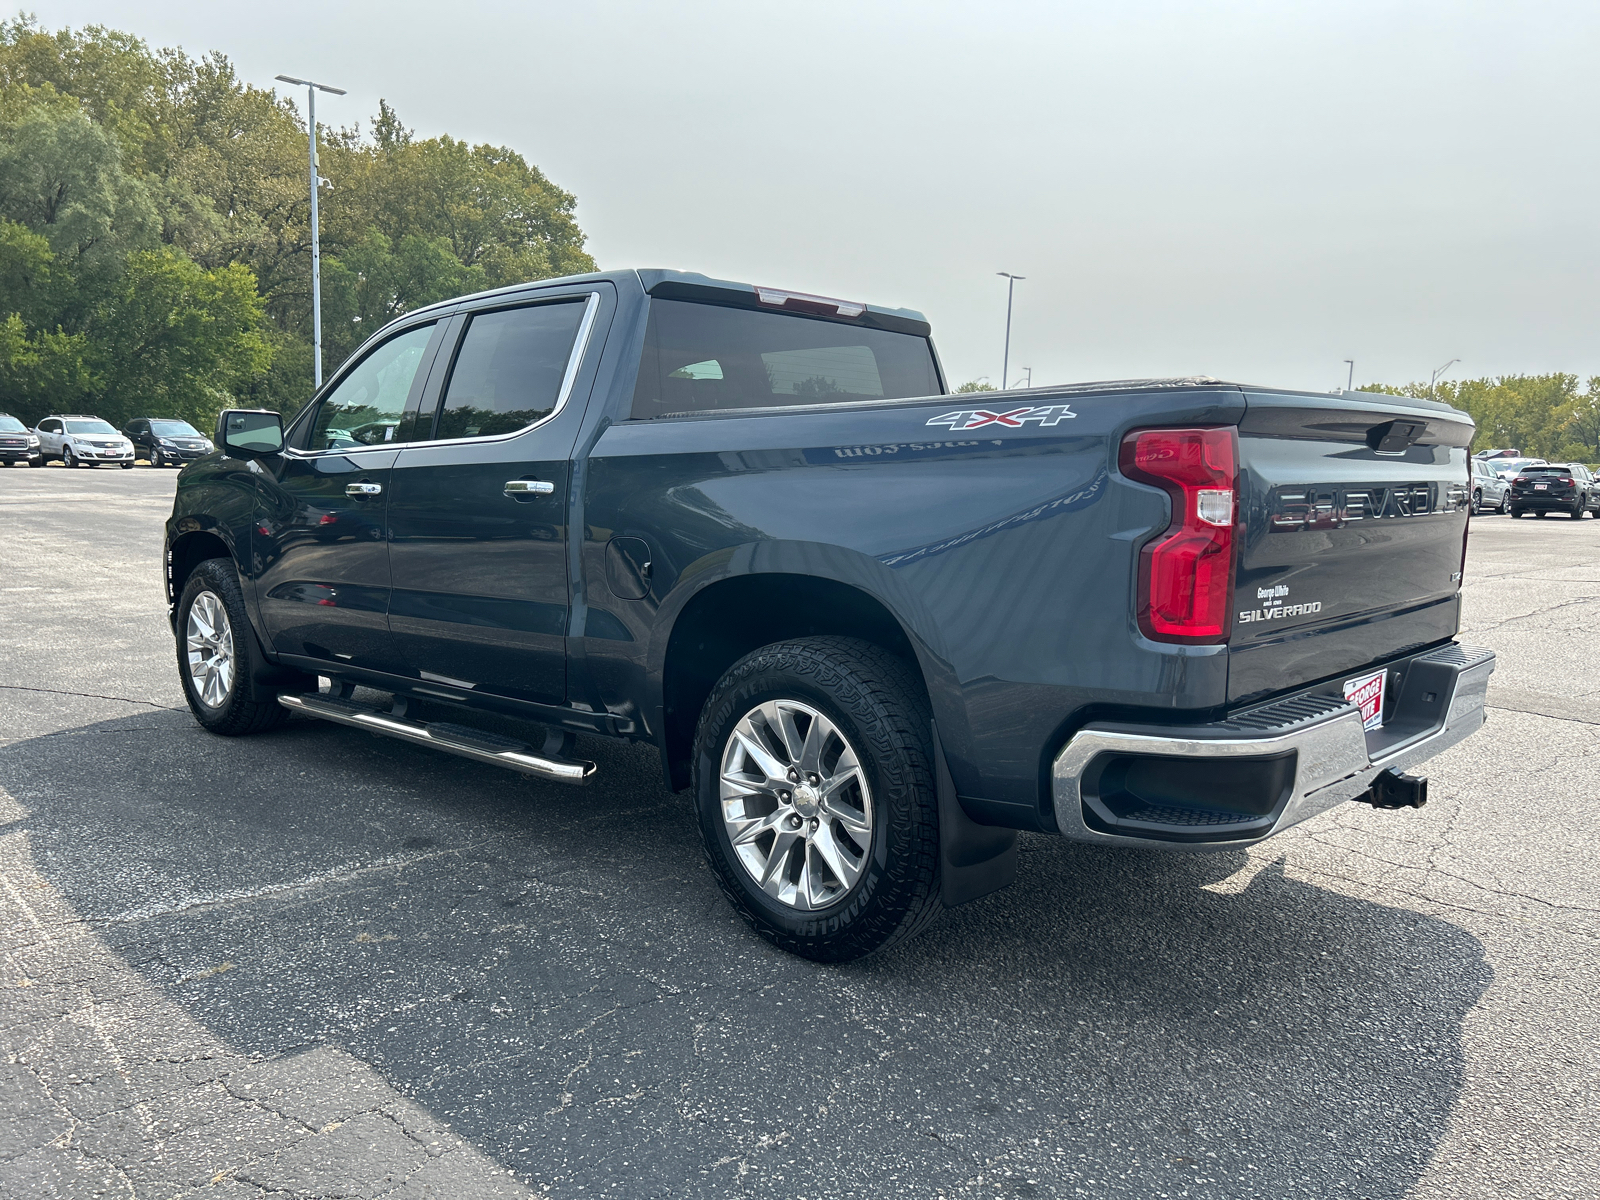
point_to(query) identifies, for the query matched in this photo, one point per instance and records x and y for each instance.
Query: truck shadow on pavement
(553, 973)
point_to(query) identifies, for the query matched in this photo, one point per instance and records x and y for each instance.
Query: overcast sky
(1253, 190)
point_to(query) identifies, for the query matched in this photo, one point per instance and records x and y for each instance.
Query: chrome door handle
(529, 487)
(363, 489)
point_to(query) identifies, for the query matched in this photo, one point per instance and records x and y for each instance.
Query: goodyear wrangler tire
(814, 785)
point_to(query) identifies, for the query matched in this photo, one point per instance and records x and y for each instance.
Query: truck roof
(690, 285)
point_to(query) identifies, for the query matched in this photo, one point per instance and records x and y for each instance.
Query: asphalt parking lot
(319, 963)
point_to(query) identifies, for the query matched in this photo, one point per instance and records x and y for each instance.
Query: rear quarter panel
(1006, 554)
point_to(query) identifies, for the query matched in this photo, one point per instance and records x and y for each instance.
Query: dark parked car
(166, 441)
(18, 443)
(1555, 487)
(874, 634)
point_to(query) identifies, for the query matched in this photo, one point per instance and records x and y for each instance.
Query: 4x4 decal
(973, 418)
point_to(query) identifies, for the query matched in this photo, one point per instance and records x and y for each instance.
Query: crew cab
(875, 629)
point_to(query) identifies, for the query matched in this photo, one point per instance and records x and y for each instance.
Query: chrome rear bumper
(1440, 701)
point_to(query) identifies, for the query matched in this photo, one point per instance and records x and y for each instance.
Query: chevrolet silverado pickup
(875, 629)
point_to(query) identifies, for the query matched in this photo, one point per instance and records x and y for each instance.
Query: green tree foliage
(1545, 416)
(155, 247)
(977, 385)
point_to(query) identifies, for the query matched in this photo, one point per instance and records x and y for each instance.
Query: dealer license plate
(1541, 487)
(1366, 693)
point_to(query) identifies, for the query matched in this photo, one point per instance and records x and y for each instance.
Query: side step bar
(453, 739)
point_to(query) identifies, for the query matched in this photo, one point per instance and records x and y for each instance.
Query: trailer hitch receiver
(1391, 789)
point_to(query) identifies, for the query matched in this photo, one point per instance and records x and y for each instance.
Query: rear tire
(1516, 513)
(1477, 502)
(849, 869)
(218, 654)
(1503, 509)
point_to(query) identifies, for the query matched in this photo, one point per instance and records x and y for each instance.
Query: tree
(118, 162)
(977, 385)
(178, 340)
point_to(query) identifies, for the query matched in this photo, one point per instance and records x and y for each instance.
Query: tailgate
(1354, 512)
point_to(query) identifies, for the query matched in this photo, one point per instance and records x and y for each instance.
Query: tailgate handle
(1393, 436)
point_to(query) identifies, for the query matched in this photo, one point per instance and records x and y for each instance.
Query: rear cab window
(702, 358)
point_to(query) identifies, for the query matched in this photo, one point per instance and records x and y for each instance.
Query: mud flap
(974, 859)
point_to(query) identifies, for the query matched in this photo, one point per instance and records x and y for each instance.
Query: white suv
(83, 441)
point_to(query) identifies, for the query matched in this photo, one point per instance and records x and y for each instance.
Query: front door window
(365, 409)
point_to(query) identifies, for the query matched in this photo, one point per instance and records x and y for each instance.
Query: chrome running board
(452, 739)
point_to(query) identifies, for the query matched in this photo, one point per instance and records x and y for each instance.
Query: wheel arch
(729, 616)
(187, 551)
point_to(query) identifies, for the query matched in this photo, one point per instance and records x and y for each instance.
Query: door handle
(363, 489)
(518, 488)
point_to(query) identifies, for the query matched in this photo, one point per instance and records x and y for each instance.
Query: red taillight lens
(1186, 574)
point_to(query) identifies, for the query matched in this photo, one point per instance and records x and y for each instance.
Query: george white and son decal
(976, 418)
(1274, 608)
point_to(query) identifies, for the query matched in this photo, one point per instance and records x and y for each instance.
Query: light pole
(1028, 382)
(1350, 383)
(316, 243)
(1005, 363)
(1438, 373)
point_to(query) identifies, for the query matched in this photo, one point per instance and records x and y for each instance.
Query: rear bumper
(1545, 501)
(1264, 769)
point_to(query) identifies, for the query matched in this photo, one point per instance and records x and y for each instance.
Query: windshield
(173, 429)
(1532, 471)
(12, 425)
(93, 425)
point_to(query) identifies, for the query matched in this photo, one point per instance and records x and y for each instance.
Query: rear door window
(510, 369)
(706, 358)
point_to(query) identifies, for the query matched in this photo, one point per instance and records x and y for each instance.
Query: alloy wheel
(208, 645)
(795, 804)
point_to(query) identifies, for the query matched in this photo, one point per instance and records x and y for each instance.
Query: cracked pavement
(317, 963)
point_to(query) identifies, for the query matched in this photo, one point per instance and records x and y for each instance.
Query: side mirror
(251, 431)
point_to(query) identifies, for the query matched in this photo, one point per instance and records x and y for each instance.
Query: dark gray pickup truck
(876, 628)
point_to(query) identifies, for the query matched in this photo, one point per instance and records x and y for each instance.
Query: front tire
(157, 460)
(68, 458)
(814, 785)
(1477, 502)
(127, 466)
(217, 654)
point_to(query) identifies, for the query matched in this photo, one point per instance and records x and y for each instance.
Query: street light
(1005, 363)
(1438, 373)
(1350, 383)
(1028, 382)
(316, 244)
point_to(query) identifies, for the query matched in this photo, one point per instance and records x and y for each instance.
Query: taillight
(1186, 574)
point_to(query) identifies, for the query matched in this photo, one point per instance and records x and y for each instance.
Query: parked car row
(87, 441)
